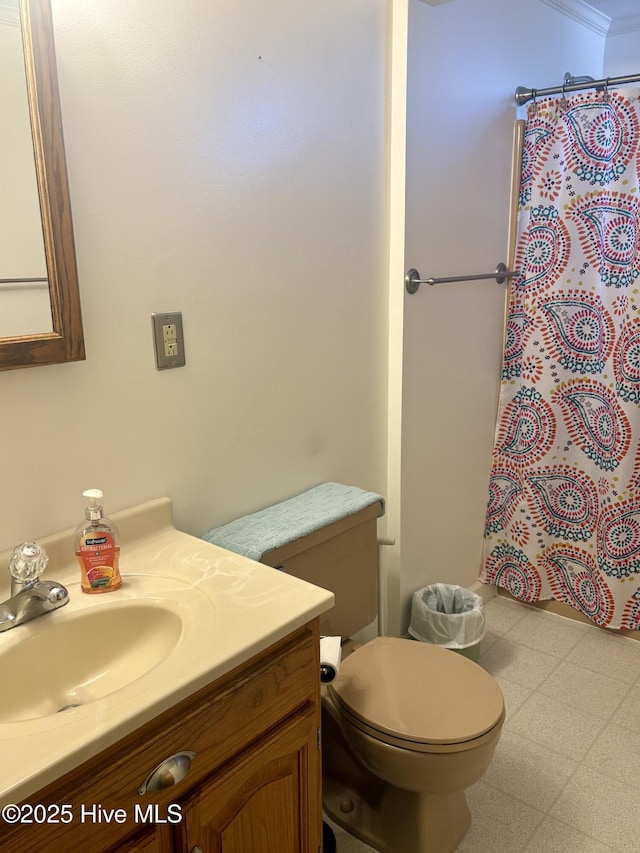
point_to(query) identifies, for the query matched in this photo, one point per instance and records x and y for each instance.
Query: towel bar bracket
(413, 281)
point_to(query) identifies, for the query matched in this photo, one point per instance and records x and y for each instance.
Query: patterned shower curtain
(563, 518)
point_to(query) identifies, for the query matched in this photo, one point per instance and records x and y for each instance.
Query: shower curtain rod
(573, 84)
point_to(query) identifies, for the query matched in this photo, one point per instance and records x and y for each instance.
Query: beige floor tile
(500, 823)
(601, 807)
(628, 714)
(514, 694)
(547, 632)
(488, 640)
(501, 614)
(556, 726)
(615, 657)
(584, 689)
(555, 837)
(616, 753)
(519, 664)
(530, 772)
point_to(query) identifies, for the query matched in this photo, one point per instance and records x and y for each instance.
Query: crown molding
(629, 24)
(583, 14)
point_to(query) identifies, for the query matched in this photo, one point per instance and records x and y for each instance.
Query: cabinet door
(265, 800)
(154, 841)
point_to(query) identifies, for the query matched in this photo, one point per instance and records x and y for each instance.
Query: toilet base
(396, 820)
(386, 817)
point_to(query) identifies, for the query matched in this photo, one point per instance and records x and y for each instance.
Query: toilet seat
(416, 695)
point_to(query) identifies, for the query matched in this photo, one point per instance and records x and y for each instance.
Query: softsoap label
(99, 556)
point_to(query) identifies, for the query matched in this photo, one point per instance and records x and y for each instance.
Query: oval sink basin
(68, 662)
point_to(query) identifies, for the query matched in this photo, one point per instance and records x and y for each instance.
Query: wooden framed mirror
(65, 341)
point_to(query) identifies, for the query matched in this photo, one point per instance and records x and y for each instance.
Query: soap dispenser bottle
(97, 546)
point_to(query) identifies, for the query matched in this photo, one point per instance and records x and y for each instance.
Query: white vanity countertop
(231, 608)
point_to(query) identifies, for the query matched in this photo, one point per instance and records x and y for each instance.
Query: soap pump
(97, 546)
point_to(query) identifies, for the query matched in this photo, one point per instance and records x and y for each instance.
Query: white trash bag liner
(447, 615)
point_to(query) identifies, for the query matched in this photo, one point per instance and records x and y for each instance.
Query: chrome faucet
(30, 597)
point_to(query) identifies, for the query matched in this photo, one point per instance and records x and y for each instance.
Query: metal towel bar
(413, 281)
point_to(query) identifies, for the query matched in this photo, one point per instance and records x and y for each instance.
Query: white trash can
(449, 616)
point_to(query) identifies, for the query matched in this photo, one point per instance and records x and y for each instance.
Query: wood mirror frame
(66, 341)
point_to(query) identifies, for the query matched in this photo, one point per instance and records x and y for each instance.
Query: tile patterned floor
(565, 777)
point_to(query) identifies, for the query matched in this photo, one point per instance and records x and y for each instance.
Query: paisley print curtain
(563, 518)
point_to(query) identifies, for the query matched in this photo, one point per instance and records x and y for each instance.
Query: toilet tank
(343, 558)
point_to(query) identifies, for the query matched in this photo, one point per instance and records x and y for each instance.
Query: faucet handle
(27, 562)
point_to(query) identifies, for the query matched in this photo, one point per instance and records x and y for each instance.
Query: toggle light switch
(168, 339)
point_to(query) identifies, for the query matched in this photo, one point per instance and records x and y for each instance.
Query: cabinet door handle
(197, 850)
(168, 772)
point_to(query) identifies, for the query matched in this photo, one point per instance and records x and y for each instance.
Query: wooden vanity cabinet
(258, 802)
(254, 785)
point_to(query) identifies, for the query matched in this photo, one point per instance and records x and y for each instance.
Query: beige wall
(622, 50)
(230, 161)
(226, 160)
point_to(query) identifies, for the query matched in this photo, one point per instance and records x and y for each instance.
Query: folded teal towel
(257, 534)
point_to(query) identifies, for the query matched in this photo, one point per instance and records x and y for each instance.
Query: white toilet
(406, 726)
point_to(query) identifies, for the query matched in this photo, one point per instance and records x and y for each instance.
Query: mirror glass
(24, 288)
(40, 319)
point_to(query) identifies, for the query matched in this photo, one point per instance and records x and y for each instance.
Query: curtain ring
(563, 99)
(533, 108)
(606, 97)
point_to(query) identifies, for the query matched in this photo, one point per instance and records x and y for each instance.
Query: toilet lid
(418, 692)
